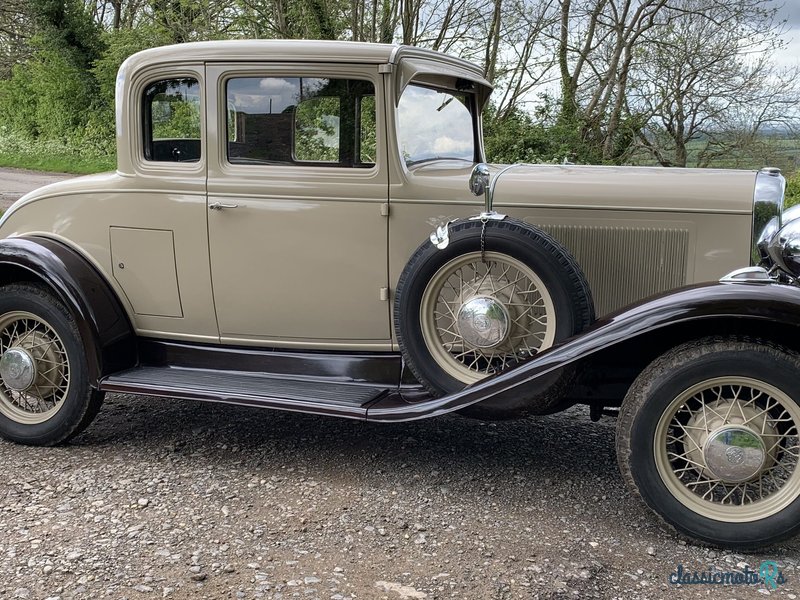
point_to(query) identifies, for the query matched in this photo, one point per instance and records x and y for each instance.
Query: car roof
(291, 50)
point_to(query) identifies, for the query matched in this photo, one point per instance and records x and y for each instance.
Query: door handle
(221, 205)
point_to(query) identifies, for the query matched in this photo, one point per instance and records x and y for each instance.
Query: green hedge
(793, 189)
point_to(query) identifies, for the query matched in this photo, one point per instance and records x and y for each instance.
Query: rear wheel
(491, 298)
(708, 437)
(45, 397)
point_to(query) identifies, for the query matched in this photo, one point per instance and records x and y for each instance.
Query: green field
(773, 151)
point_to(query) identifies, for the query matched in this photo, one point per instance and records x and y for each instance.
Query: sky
(790, 56)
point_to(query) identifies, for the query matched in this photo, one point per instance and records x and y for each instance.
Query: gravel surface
(175, 499)
(14, 183)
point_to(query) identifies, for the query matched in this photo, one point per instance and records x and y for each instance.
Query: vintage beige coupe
(311, 226)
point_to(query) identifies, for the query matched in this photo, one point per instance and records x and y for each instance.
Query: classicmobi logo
(768, 574)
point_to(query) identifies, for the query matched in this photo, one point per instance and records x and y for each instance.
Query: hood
(603, 187)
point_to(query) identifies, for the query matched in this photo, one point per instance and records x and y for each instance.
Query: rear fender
(108, 337)
(691, 310)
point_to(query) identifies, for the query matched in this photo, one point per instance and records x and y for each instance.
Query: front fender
(107, 334)
(759, 304)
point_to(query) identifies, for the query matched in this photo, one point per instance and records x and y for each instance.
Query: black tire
(549, 260)
(666, 382)
(80, 403)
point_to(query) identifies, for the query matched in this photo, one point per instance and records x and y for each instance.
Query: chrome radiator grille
(625, 264)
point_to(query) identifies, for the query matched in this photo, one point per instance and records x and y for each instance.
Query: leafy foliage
(49, 97)
(317, 129)
(793, 190)
(49, 155)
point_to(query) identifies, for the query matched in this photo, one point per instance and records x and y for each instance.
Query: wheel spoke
(507, 282)
(738, 406)
(44, 348)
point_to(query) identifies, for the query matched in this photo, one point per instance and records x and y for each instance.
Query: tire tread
(579, 292)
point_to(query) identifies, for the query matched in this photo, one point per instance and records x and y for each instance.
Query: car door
(297, 194)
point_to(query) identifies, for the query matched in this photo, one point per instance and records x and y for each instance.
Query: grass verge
(57, 163)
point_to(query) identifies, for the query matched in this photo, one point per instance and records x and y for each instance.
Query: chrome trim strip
(768, 196)
(748, 275)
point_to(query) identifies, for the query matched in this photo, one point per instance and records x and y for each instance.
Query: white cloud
(450, 146)
(276, 86)
(790, 55)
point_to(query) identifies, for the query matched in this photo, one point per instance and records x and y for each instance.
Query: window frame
(130, 138)
(472, 107)
(286, 71)
(146, 120)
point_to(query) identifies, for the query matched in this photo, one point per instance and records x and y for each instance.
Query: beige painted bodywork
(309, 256)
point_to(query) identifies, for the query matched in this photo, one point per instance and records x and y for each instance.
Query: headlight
(784, 248)
(790, 214)
(767, 208)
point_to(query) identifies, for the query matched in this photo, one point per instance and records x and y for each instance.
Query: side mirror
(479, 185)
(479, 180)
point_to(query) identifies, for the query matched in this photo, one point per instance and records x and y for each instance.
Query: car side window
(171, 117)
(301, 121)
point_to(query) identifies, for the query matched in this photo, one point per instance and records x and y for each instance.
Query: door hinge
(386, 68)
(384, 294)
(385, 209)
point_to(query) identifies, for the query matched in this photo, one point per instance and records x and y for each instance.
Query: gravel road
(169, 499)
(164, 498)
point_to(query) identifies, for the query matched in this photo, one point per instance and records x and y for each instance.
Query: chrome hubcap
(728, 440)
(17, 369)
(483, 322)
(734, 454)
(481, 312)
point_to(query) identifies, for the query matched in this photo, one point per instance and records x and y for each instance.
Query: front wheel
(708, 437)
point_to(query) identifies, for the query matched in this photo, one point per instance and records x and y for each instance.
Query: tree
(66, 26)
(705, 79)
(15, 30)
(524, 60)
(597, 42)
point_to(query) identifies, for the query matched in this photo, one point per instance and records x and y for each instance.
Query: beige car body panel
(310, 254)
(635, 231)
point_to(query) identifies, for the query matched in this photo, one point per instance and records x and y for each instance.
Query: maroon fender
(768, 310)
(104, 326)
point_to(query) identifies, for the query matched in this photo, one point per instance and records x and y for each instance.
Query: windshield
(435, 124)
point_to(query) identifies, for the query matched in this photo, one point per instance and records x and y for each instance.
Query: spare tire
(499, 292)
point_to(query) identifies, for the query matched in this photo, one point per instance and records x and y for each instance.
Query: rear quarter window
(171, 118)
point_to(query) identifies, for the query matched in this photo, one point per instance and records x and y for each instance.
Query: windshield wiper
(432, 158)
(445, 103)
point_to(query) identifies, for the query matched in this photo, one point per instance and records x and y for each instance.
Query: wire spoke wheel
(480, 313)
(728, 448)
(500, 292)
(34, 369)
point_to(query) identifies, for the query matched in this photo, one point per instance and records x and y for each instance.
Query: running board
(249, 389)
